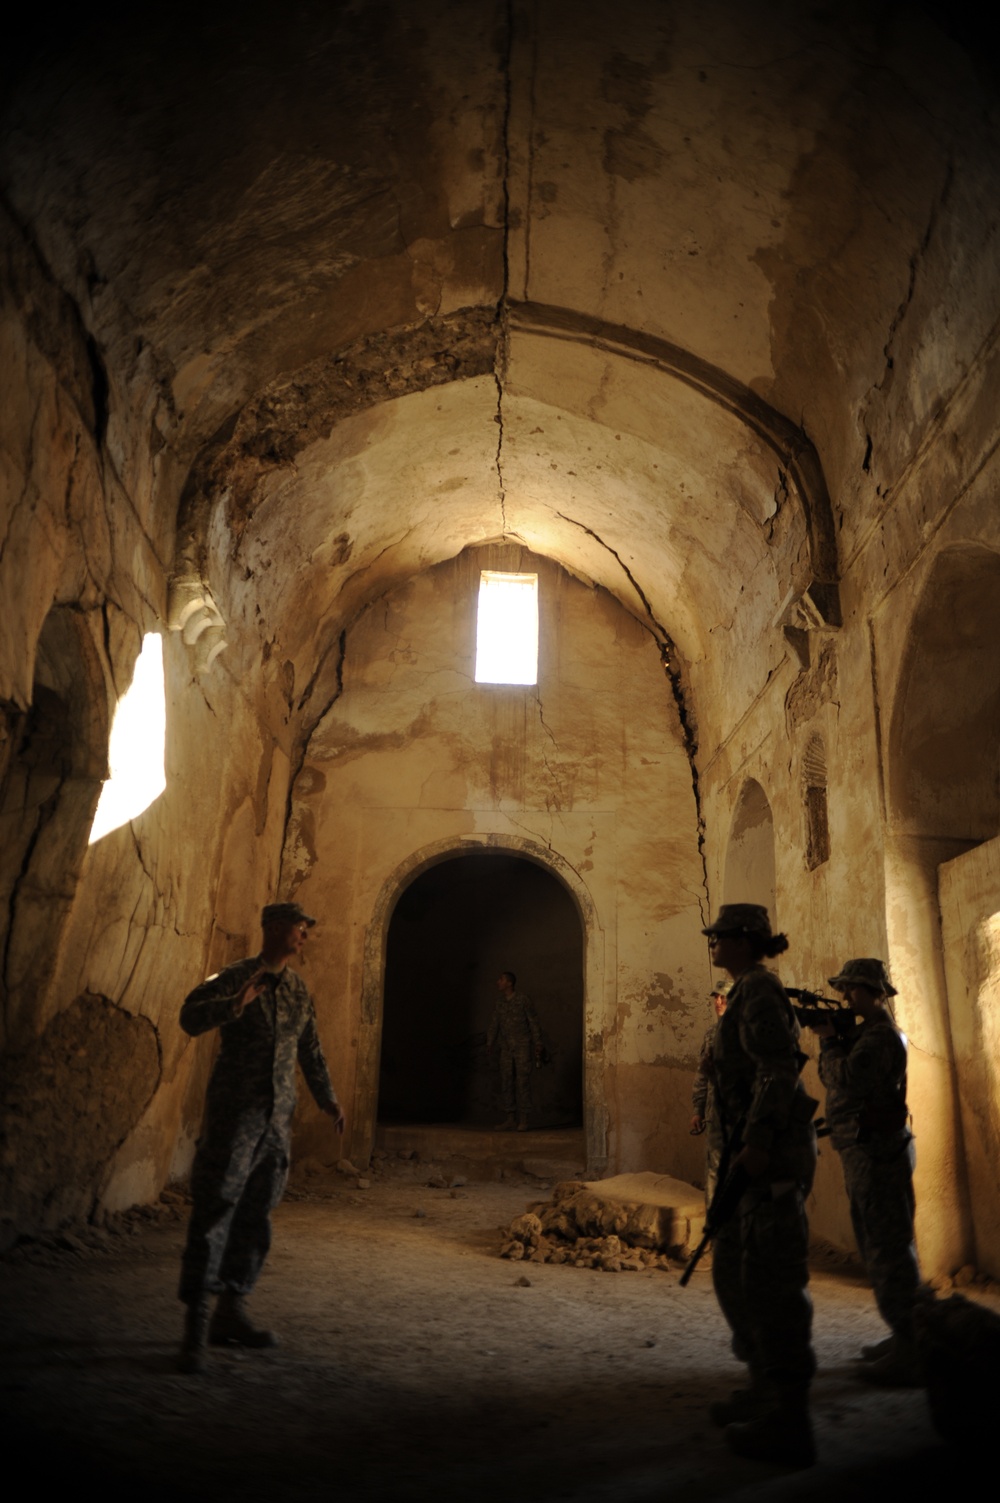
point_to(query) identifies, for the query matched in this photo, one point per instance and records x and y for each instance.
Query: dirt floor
(415, 1363)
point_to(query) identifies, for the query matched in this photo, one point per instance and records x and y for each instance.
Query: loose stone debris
(100, 1234)
(620, 1225)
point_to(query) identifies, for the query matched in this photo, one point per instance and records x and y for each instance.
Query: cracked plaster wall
(590, 764)
(878, 892)
(67, 1103)
(806, 200)
(132, 920)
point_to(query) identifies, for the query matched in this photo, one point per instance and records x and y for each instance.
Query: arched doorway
(452, 931)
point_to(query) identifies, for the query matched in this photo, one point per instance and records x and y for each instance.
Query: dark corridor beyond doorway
(453, 930)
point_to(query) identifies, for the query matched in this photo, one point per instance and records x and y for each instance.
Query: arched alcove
(943, 886)
(749, 874)
(944, 754)
(452, 931)
(814, 800)
(506, 847)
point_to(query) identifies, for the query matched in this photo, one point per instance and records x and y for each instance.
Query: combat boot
(900, 1367)
(742, 1404)
(876, 1350)
(783, 1433)
(193, 1355)
(231, 1323)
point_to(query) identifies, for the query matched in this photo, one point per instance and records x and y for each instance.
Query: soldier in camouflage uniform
(759, 1266)
(516, 1029)
(865, 1078)
(266, 1021)
(702, 1106)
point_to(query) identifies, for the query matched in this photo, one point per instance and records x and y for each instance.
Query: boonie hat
(867, 972)
(285, 913)
(741, 918)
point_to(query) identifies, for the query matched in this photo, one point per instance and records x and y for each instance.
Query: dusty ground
(413, 1364)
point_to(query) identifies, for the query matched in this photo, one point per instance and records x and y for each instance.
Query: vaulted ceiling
(632, 284)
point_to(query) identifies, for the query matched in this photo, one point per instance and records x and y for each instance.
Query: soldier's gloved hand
(336, 1111)
(250, 992)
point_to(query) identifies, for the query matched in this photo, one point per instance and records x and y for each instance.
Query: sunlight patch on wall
(507, 629)
(137, 742)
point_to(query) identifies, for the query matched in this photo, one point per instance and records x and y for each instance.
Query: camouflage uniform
(865, 1078)
(516, 1028)
(703, 1106)
(241, 1163)
(759, 1266)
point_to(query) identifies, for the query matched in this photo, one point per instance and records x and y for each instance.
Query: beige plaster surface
(587, 767)
(697, 302)
(970, 927)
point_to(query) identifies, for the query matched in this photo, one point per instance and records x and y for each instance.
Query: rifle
(729, 1191)
(813, 1011)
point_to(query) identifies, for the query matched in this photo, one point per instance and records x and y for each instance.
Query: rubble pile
(620, 1225)
(100, 1233)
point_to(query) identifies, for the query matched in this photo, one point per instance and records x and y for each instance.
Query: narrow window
(507, 629)
(135, 752)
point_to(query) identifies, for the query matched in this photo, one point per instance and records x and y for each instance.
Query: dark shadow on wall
(452, 932)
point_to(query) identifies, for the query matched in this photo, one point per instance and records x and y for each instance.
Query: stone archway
(942, 892)
(364, 1113)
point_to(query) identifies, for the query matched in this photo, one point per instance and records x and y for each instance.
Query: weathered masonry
(692, 311)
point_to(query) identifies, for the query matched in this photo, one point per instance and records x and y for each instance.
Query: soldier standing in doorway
(515, 1028)
(702, 1104)
(865, 1077)
(266, 1020)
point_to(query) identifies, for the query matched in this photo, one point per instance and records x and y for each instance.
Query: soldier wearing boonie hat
(760, 1260)
(865, 1078)
(869, 973)
(267, 1024)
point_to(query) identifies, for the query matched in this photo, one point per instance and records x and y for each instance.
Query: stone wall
(114, 934)
(715, 336)
(587, 773)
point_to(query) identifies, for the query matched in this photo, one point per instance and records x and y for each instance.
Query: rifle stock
(722, 1208)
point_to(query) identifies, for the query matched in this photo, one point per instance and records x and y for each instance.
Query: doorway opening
(454, 929)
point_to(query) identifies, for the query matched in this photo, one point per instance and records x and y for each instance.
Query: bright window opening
(137, 741)
(507, 630)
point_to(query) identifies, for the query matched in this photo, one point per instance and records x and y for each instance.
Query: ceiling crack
(669, 659)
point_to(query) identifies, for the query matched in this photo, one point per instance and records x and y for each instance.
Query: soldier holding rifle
(760, 1268)
(864, 1071)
